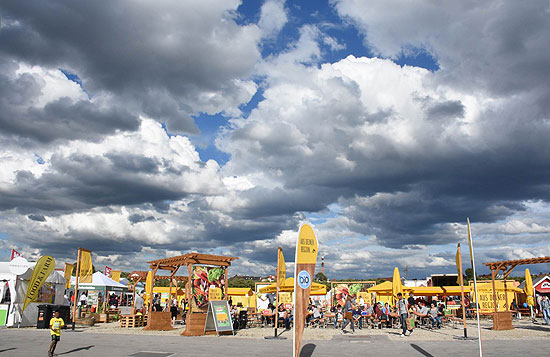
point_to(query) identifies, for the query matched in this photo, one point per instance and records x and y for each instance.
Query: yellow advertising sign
(307, 246)
(485, 293)
(68, 272)
(285, 298)
(86, 269)
(366, 296)
(43, 268)
(214, 294)
(281, 266)
(115, 275)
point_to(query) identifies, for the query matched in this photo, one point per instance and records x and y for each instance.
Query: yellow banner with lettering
(214, 294)
(68, 272)
(366, 296)
(307, 246)
(43, 268)
(285, 298)
(86, 269)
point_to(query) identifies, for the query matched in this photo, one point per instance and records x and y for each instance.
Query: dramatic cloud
(168, 59)
(386, 160)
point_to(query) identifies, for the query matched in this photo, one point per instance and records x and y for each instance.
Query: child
(56, 323)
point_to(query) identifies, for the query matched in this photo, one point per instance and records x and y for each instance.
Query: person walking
(545, 307)
(56, 323)
(348, 315)
(403, 313)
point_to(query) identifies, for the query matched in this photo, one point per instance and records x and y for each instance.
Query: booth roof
(100, 279)
(5, 274)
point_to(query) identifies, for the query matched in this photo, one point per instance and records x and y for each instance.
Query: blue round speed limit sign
(304, 279)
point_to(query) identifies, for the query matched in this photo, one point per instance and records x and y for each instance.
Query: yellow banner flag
(115, 275)
(86, 270)
(281, 268)
(148, 287)
(43, 268)
(68, 272)
(458, 267)
(306, 258)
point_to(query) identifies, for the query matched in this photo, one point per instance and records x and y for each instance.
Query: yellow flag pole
(278, 284)
(462, 289)
(76, 287)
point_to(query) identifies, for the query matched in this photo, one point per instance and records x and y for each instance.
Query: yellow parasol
(529, 288)
(148, 285)
(396, 286)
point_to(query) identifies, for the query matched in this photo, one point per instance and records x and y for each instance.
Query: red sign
(108, 271)
(15, 254)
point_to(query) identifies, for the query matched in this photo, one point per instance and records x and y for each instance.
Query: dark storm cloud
(137, 218)
(37, 217)
(79, 181)
(159, 57)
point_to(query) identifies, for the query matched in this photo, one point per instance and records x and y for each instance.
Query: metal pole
(472, 258)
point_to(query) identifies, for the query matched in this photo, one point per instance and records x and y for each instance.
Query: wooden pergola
(195, 319)
(503, 320)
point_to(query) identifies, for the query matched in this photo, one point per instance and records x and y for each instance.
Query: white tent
(17, 286)
(100, 281)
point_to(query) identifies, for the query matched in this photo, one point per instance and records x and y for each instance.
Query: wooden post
(226, 296)
(76, 286)
(493, 273)
(462, 290)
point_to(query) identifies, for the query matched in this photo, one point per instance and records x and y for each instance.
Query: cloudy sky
(147, 129)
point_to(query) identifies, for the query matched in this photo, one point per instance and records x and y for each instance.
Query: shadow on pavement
(8, 349)
(421, 350)
(76, 350)
(307, 350)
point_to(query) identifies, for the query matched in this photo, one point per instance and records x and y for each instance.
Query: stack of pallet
(132, 321)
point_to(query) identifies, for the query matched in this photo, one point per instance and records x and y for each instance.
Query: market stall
(14, 289)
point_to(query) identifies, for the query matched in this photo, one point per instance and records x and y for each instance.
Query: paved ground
(32, 342)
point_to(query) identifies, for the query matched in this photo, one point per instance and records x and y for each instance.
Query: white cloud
(272, 18)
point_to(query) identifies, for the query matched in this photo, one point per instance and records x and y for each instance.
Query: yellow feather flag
(281, 267)
(458, 267)
(43, 268)
(86, 270)
(304, 269)
(68, 272)
(115, 275)
(148, 285)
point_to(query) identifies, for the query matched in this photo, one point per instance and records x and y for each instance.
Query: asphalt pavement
(32, 342)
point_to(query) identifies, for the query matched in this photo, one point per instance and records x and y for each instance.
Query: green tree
(320, 277)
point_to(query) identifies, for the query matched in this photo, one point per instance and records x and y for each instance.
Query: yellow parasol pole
(472, 259)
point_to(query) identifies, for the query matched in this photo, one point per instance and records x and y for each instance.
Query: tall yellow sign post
(306, 258)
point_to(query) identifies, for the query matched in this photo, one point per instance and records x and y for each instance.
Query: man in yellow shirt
(56, 323)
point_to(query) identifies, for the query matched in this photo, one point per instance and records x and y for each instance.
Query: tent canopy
(240, 292)
(99, 281)
(288, 286)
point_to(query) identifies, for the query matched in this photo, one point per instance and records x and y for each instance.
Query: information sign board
(218, 317)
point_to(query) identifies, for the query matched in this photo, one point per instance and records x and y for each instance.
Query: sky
(142, 130)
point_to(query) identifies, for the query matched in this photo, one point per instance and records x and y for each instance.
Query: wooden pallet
(127, 321)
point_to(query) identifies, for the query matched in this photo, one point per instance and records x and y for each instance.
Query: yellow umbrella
(288, 285)
(529, 288)
(384, 288)
(396, 286)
